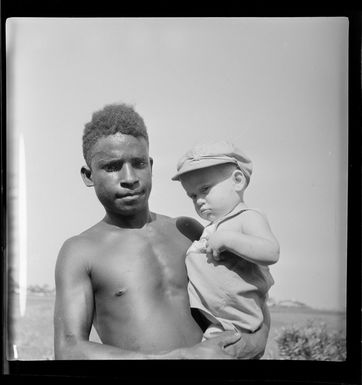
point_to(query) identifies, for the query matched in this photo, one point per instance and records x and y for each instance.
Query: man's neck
(136, 221)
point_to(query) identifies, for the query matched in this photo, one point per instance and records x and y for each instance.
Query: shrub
(311, 342)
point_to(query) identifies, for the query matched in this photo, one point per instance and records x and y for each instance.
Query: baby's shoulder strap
(240, 211)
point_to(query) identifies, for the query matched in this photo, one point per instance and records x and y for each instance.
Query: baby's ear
(240, 180)
(86, 174)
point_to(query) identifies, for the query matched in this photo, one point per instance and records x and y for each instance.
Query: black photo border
(171, 371)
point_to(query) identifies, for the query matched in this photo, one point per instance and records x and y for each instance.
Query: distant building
(291, 303)
(271, 302)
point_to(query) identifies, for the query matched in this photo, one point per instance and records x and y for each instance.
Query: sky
(276, 87)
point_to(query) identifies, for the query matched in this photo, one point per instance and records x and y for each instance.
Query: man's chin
(132, 209)
(129, 211)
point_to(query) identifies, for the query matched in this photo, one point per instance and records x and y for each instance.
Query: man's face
(121, 172)
(212, 190)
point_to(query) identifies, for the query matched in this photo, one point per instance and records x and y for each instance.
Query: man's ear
(87, 176)
(239, 179)
(151, 162)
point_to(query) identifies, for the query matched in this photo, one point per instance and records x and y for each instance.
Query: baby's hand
(215, 245)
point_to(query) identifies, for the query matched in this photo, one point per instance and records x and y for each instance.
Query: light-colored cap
(212, 154)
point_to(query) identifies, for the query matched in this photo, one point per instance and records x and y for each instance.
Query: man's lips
(130, 195)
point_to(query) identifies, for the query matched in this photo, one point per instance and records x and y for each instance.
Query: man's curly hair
(113, 118)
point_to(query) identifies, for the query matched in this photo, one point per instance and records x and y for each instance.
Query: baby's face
(212, 190)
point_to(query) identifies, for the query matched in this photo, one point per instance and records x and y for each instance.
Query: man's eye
(110, 168)
(140, 163)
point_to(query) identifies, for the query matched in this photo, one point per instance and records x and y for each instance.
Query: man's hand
(213, 348)
(252, 345)
(245, 349)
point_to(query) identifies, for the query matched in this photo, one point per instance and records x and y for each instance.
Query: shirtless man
(126, 275)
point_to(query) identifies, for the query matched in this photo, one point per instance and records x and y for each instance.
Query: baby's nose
(200, 201)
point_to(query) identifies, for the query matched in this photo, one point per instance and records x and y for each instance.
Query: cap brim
(195, 165)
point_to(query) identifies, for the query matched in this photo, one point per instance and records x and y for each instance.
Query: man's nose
(128, 176)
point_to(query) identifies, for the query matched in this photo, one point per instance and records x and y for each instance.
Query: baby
(227, 268)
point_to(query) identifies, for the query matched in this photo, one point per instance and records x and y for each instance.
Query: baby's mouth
(204, 209)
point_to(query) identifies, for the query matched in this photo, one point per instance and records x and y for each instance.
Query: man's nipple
(120, 292)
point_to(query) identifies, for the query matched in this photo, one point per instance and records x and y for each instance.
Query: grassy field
(287, 316)
(33, 333)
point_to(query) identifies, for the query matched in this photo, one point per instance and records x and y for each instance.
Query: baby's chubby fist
(216, 244)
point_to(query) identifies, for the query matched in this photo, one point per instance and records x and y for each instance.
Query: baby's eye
(204, 189)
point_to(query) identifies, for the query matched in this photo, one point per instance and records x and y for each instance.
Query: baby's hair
(112, 119)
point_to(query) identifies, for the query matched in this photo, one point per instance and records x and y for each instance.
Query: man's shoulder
(161, 218)
(86, 240)
(187, 221)
(189, 227)
(76, 255)
(77, 241)
(166, 218)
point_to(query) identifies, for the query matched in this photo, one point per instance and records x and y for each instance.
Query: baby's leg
(212, 331)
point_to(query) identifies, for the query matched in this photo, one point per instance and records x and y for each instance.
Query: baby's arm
(252, 240)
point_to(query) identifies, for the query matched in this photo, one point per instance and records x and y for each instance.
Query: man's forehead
(121, 139)
(119, 153)
(120, 146)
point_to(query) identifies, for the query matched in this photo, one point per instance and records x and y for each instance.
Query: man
(126, 275)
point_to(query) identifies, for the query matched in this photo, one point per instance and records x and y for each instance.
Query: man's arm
(74, 310)
(74, 307)
(252, 345)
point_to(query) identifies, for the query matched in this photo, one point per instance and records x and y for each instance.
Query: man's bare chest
(145, 260)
